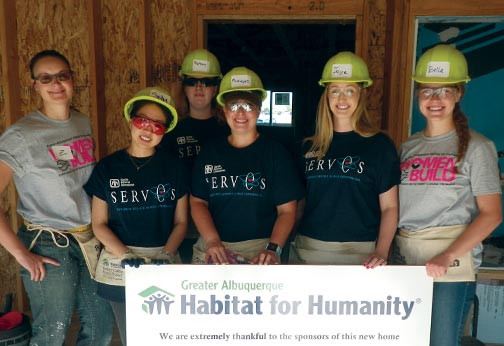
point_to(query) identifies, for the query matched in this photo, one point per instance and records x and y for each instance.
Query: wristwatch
(274, 247)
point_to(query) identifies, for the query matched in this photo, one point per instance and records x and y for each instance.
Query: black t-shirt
(244, 186)
(141, 202)
(342, 197)
(190, 134)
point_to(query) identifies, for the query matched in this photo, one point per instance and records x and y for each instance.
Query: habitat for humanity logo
(156, 300)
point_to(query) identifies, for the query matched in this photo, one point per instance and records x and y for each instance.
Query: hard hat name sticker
(342, 70)
(438, 69)
(160, 96)
(201, 65)
(238, 81)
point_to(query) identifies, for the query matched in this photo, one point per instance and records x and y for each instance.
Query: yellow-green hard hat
(240, 79)
(200, 62)
(442, 64)
(157, 95)
(346, 67)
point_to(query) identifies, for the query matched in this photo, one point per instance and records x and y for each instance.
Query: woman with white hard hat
(449, 193)
(140, 199)
(244, 187)
(351, 170)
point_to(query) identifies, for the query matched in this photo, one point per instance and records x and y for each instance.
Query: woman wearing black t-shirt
(350, 212)
(244, 188)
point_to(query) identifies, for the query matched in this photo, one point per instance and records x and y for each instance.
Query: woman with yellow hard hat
(349, 215)
(449, 193)
(244, 187)
(201, 75)
(140, 199)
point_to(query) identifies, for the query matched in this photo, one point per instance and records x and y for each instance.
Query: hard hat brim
(440, 80)
(366, 82)
(220, 99)
(173, 111)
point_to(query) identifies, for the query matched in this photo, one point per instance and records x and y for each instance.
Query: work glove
(131, 259)
(163, 257)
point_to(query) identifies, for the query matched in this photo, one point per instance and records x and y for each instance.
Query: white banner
(284, 304)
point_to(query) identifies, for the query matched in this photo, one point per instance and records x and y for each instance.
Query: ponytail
(462, 129)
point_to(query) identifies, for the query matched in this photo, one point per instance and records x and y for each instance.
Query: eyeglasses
(347, 92)
(441, 92)
(247, 107)
(204, 82)
(141, 122)
(46, 78)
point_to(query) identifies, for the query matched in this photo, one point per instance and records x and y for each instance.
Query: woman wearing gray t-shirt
(449, 193)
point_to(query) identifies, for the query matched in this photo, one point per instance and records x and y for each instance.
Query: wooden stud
(145, 44)
(98, 112)
(11, 87)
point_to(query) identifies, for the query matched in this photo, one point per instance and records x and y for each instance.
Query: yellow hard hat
(346, 67)
(200, 62)
(442, 64)
(157, 95)
(240, 79)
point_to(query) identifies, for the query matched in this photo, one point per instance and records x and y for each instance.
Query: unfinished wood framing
(401, 45)
(117, 47)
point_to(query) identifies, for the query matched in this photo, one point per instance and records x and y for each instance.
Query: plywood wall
(64, 25)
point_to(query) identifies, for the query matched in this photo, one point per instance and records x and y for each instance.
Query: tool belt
(247, 248)
(90, 246)
(109, 270)
(419, 247)
(306, 250)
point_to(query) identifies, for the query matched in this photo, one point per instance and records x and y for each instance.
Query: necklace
(139, 165)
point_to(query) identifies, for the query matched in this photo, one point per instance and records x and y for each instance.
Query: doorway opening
(289, 59)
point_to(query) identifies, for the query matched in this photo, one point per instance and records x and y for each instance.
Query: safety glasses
(441, 92)
(347, 92)
(204, 82)
(235, 106)
(46, 78)
(141, 122)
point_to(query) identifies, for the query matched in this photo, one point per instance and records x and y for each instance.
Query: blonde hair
(362, 123)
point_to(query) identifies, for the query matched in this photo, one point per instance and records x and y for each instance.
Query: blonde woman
(350, 212)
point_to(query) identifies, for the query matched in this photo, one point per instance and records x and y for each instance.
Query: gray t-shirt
(430, 193)
(51, 161)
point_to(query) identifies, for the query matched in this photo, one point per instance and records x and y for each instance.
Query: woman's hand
(375, 260)
(216, 253)
(438, 266)
(266, 257)
(34, 264)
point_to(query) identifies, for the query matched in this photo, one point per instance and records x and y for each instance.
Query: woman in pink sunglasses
(140, 203)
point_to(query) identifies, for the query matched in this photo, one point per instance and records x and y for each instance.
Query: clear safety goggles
(235, 106)
(347, 92)
(441, 92)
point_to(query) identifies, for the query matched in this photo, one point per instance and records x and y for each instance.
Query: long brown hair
(461, 127)
(362, 123)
